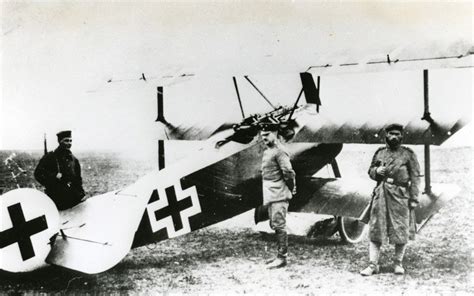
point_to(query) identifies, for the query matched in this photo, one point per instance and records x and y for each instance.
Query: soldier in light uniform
(278, 181)
(396, 170)
(59, 172)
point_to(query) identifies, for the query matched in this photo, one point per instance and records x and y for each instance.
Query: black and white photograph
(236, 147)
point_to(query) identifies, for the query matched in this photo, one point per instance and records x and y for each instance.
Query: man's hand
(59, 176)
(294, 190)
(381, 170)
(412, 203)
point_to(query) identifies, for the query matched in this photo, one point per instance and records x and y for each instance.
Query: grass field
(217, 260)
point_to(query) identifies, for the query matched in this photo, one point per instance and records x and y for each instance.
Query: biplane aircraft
(222, 178)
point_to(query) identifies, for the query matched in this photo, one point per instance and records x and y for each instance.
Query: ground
(231, 259)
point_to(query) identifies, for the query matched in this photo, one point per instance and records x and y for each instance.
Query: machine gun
(248, 128)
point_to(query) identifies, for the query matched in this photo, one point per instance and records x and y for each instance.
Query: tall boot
(282, 238)
(282, 242)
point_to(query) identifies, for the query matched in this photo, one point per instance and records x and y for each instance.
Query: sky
(57, 59)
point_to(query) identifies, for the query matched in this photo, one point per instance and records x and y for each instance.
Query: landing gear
(351, 230)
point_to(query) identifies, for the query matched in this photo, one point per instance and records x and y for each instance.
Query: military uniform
(67, 191)
(278, 180)
(390, 213)
(396, 170)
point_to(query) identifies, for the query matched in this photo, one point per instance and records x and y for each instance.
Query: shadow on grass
(203, 247)
(47, 279)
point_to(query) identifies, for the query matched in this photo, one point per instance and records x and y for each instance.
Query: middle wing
(366, 126)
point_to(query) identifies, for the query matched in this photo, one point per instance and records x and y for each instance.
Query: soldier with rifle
(396, 170)
(59, 172)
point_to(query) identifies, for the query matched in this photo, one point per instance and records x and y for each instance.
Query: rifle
(365, 217)
(45, 144)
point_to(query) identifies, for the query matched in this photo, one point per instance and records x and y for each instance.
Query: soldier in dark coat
(278, 184)
(60, 173)
(396, 170)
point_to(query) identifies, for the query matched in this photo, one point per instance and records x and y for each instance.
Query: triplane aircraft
(222, 179)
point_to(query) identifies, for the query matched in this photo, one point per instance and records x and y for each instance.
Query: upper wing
(415, 56)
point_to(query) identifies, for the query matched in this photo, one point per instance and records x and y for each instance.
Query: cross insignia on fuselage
(22, 231)
(171, 208)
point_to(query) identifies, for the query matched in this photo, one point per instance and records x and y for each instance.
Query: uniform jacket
(68, 191)
(390, 216)
(278, 177)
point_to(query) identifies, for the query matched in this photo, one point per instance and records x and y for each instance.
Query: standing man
(278, 182)
(60, 173)
(396, 170)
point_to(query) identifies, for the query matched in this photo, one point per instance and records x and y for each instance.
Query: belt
(392, 181)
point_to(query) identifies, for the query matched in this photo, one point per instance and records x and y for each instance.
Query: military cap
(63, 134)
(269, 127)
(394, 126)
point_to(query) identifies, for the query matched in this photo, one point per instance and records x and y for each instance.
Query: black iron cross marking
(21, 231)
(174, 207)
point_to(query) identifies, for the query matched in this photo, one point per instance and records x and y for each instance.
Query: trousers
(277, 214)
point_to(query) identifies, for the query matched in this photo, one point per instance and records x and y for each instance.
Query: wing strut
(335, 168)
(268, 101)
(238, 97)
(295, 105)
(427, 117)
(160, 118)
(311, 92)
(161, 154)
(159, 98)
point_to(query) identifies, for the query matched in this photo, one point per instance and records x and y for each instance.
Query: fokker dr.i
(222, 179)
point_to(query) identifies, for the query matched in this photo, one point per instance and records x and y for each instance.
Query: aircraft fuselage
(225, 189)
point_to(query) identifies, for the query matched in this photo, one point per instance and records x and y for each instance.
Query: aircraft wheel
(351, 230)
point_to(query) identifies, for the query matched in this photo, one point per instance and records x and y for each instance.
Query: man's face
(394, 138)
(66, 143)
(269, 138)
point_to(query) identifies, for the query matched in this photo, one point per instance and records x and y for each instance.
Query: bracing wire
(268, 101)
